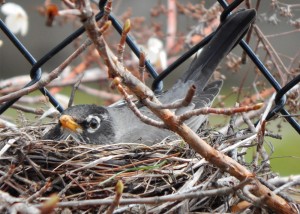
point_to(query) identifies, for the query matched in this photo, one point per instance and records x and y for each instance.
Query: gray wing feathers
(205, 98)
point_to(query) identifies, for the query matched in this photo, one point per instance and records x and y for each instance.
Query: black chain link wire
(157, 85)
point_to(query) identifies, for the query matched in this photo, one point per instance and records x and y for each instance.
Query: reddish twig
(121, 45)
(225, 111)
(184, 102)
(134, 109)
(142, 66)
(46, 79)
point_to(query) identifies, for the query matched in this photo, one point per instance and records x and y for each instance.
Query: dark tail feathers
(228, 34)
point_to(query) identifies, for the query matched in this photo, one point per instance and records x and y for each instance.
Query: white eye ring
(92, 126)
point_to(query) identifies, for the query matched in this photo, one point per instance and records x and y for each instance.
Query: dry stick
(111, 97)
(185, 102)
(172, 25)
(34, 166)
(4, 85)
(278, 181)
(248, 122)
(142, 67)
(74, 88)
(253, 114)
(140, 162)
(40, 192)
(19, 178)
(135, 110)
(76, 181)
(67, 187)
(14, 204)
(7, 124)
(260, 149)
(272, 187)
(226, 111)
(262, 95)
(69, 4)
(247, 190)
(17, 82)
(287, 185)
(282, 70)
(48, 78)
(27, 109)
(268, 106)
(7, 175)
(215, 157)
(79, 69)
(157, 199)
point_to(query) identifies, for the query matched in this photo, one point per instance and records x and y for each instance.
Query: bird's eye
(93, 123)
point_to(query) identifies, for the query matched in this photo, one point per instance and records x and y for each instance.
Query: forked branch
(215, 157)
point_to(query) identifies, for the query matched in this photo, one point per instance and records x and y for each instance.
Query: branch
(16, 83)
(225, 111)
(121, 46)
(48, 78)
(142, 66)
(134, 109)
(218, 159)
(185, 102)
(155, 200)
(282, 70)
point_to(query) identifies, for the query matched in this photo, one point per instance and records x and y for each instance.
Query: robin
(118, 124)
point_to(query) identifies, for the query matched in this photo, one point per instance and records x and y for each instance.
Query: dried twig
(134, 109)
(74, 88)
(142, 66)
(46, 79)
(180, 103)
(39, 193)
(155, 200)
(16, 205)
(225, 111)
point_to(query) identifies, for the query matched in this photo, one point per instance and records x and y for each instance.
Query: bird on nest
(118, 124)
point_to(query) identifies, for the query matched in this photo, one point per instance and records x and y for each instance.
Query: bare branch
(134, 109)
(155, 200)
(215, 157)
(40, 192)
(142, 66)
(121, 45)
(48, 78)
(180, 103)
(74, 88)
(225, 111)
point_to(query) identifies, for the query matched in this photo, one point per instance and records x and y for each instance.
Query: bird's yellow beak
(68, 122)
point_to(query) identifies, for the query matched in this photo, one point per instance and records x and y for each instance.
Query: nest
(33, 169)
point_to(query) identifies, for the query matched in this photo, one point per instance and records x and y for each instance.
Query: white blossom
(156, 53)
(16, 18)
